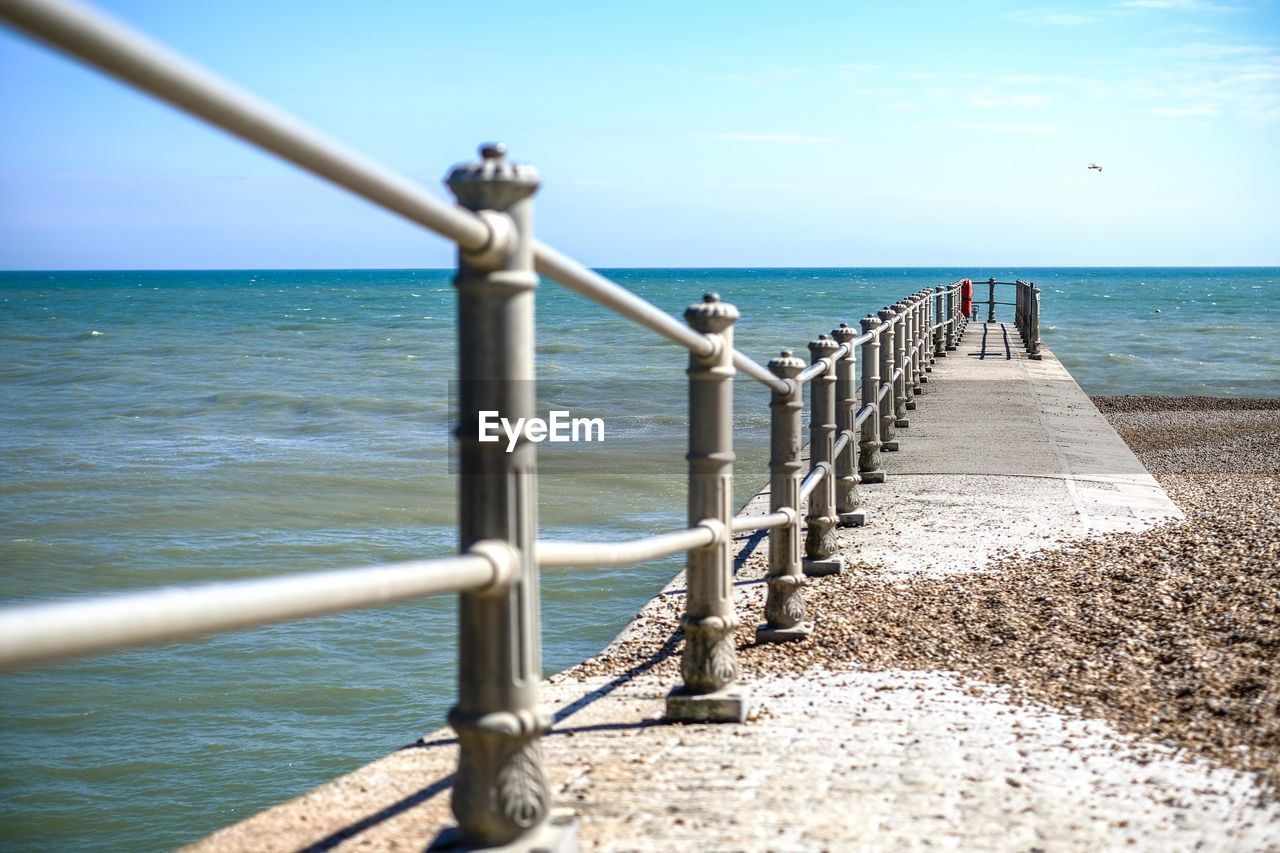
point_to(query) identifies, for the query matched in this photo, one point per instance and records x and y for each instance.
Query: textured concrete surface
(1004, 452)
(858, 760)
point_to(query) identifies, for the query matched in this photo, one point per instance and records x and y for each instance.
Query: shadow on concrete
(996, 348)
(668, 647)
(348, 832)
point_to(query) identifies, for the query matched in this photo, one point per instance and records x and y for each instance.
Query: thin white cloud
(1010, 127)
(1195, 111)
(1051, 18)
(1180, 5)
(768, 76)
(996, 100)
(1207, 51)
(783, 138)
(1233, 80)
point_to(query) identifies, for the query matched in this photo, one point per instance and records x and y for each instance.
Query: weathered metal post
(784, 608)
(900, 390)
(847, 498)
(908, 358)
(820, 537)
(869, 447)
(888, 420)
(1034, 345)
(499, 793)
(1019, 310)
(939, 319)
(991, 300)
(951, 330)
(926, 332)
(709, 664)
(918, 359)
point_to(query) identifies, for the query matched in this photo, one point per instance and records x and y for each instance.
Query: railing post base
(857, 518)
(558, 835)
(765, 633)
(730, 704)
(822, 567)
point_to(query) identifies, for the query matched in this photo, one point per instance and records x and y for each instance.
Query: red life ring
(966, 297)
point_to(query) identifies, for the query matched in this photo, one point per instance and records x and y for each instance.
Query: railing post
(991, 300)
(820, 538)
(939, 316)
(709, 664)
(900, 366)
(908, 360)
(869, 447)
(499, 793)
(1019, 310)
(927, 332)
(888, 419)
(1034, 345)
(784, 608)
(847, 498)
(918, 357)
(951, 331)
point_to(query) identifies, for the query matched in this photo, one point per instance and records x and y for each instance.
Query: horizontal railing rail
(861, 386)
(46, 632)
(561, 555)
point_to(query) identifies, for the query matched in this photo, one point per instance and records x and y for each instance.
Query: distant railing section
(500, 793)
(1026, 310)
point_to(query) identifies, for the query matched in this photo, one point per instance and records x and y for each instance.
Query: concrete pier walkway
(1002, 454)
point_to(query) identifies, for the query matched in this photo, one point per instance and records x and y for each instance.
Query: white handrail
(43, 632)
(597, 288)
(563, 555)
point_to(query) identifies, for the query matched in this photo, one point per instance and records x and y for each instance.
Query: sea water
(175, 427)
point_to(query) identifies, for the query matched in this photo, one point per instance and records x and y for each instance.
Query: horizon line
(1276, 265)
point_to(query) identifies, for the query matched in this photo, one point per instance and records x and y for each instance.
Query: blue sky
(677, 134)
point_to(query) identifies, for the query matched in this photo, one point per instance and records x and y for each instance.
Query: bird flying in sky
(1095, 166)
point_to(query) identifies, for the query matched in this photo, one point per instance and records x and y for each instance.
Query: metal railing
(500, 793)
(1026, 311)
